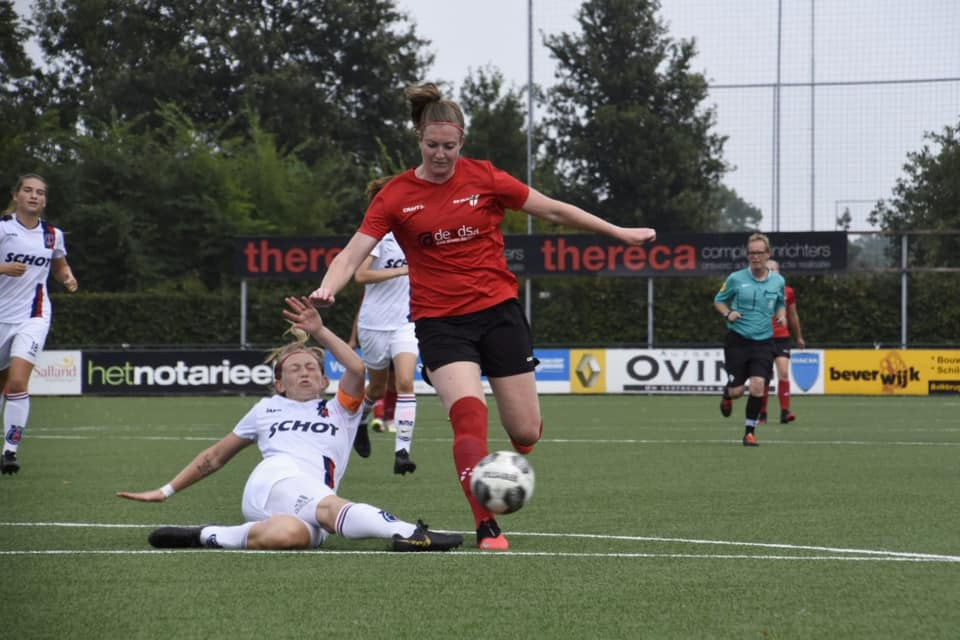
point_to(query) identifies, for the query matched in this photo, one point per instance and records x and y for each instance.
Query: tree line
(167, 127)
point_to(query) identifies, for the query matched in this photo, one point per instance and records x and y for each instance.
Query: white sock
(405, 417)
(234, 537)
(359, 520)
(15, 415)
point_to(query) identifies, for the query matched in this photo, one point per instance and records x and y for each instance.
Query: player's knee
(405, 385)
(281, 532)
(328, 510)
(15, 386)
(524, 439)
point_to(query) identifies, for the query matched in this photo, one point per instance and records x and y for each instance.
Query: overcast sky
(868, 56)
(861, 133)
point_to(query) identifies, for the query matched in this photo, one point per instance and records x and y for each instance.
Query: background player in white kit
(30, 250)
(290, 500)
(386, 335)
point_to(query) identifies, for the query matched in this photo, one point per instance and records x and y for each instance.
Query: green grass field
(650, 520)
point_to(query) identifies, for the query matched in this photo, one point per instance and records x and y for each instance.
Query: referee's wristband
(167, 490)
(727, 314)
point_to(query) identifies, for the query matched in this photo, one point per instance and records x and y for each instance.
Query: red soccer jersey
(778, 330)
(451, 235)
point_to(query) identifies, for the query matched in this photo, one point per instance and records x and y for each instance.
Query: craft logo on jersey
(473, 199)
(441, 237)
(413, 209)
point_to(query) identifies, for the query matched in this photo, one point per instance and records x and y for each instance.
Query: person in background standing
(30, 250)
(781, 345)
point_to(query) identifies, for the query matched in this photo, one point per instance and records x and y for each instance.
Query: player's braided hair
(276, 357)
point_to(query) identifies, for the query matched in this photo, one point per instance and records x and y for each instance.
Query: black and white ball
(502, 482)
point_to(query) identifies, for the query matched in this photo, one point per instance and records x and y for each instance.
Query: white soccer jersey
(313, 437)
(386, 305)
(25, 297)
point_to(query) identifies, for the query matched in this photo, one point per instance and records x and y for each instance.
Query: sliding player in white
(30, 249)
(290, 500)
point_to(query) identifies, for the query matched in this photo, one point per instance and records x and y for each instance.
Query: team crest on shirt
(49, 235)
(322, 410)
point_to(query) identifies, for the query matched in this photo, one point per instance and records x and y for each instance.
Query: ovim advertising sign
(674, 371)
(666, 370)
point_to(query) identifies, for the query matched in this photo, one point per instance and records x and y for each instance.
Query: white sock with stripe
(405, 419)
(360, 520)
(15, 414)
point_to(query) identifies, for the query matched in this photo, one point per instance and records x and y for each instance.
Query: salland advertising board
(56, 373)
(917, 372)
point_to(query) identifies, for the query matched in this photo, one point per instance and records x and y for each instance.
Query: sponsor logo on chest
(303, 425)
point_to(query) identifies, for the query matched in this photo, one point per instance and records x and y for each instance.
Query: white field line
(657, 441)
(836, 553)
(485, 554)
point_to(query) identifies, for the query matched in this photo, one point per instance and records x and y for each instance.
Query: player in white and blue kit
(748, 300)
(30, 250)
(387, 337)
(290, 500)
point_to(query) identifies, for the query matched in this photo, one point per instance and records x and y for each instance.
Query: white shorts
(278, 486)
(378, 347)
(23, 340)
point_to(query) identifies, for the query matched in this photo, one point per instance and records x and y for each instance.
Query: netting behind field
(821, 101)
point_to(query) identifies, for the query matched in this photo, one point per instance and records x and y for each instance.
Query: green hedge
(859, 309)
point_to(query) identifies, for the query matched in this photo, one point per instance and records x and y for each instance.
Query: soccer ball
(502, 482)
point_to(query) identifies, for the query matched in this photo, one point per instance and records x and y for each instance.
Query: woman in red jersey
(446, 215)
(781, 343)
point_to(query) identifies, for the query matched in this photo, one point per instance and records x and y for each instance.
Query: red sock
(783, 393)
(469, 419)
(389, 404)
(526, 448)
